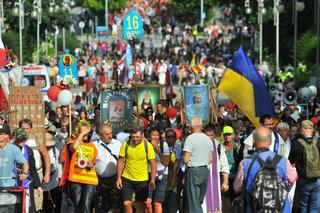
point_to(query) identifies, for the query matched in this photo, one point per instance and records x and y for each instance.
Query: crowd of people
(159, 164)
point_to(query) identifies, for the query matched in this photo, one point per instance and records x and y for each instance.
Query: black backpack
(269, 191)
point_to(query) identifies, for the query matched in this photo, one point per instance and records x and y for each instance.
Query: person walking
(132, 171)
(305, 155)
(278, 146)
(263, 177)
(107, 195)
(19, 139)
(197, 156)
(41, 157)
(79, 170)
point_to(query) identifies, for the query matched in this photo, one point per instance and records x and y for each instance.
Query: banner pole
(136, 77)
(70, 121)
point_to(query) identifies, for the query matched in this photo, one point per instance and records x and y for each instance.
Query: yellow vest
(83, 175)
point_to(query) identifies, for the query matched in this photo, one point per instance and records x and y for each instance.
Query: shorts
(140, 188)
(159, 193)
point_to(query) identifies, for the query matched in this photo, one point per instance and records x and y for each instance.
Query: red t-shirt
(89, 85)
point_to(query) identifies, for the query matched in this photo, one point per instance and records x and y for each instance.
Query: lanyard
(276, 143)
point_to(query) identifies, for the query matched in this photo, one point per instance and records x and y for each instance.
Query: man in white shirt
(107, 196)
(277, 144)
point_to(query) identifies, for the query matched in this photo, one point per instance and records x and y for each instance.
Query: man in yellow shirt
(132, 170)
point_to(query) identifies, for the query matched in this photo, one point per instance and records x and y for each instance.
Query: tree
(99, 5)
(49, 20)
(189, 11)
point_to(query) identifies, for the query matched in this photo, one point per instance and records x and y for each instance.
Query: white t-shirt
(160, 167)
(106, 164)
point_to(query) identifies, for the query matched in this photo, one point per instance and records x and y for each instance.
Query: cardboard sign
(26, 102)
(68, 65)
(116, 109)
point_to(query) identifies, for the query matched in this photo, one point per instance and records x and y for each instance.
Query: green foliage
(189, 11)
(306, 47)
(99, 5)
(29, 33)
(302, 75)
(94, 4)
(71, 42)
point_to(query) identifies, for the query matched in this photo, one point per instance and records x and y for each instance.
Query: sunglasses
(227, 134)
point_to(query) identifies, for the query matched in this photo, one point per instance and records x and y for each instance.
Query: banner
(149, 95)
(116, 109)
(101, 32)
(196, 101)
(26, 102)
(68, 65)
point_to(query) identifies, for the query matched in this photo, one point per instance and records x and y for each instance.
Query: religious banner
(196, 101)
(68, 65)
(116, 109)
(101, 32)
(26, 102)
(149, 95)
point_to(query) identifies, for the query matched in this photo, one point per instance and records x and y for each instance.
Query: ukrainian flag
(243, 84)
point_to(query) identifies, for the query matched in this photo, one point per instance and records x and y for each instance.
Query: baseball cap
(20, 134)
(227, 130)
(306, 124)
(5, 129)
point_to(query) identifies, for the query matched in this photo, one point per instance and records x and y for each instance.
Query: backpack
(145, 147)
(268, 192)
(311, 158)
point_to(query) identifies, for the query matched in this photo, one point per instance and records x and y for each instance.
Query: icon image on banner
(68, 65)
(101, 32)
(132, 25)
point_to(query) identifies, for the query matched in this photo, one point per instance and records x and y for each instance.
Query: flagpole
(136, 78)
(133, 42)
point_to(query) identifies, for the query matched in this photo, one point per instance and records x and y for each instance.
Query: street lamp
(277, 8)
(261, 11)
(66, 7)
(1, 18)
(36, 13)
(318, 39)
(19, 10)
(56, 33)
(106, 13)
(247, 7)
(298, 7)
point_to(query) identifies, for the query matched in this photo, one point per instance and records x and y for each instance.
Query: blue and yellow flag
(243, 84)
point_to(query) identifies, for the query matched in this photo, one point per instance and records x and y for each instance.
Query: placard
(101, 32)
(116, 109)
(132, 25)
(26, 102)
(68, 65)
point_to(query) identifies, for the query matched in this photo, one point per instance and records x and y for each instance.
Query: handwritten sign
(68, 65)
(26, 102)
(132, 25)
